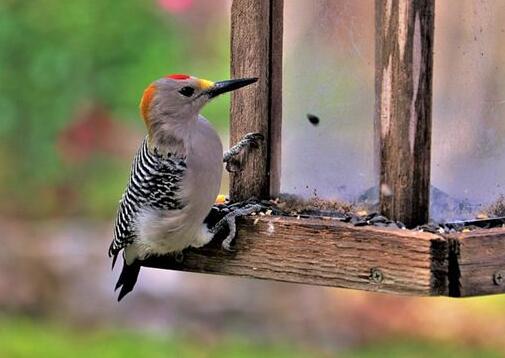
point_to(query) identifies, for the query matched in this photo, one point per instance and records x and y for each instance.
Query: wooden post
(256, 51)
(403, 85)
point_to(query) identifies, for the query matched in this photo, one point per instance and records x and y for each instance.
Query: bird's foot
(248, 141)
(229, 220)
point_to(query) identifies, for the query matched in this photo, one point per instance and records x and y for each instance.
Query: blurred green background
(71, 76)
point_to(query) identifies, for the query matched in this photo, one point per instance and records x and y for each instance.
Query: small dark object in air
(314, 120)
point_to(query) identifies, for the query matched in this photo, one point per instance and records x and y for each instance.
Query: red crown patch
(178, 77)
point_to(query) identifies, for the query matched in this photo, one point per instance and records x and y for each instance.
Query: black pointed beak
(229, 85)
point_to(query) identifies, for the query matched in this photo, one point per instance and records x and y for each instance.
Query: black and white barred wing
(154, 184)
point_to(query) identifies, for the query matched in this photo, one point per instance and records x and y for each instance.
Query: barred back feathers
(154, 183)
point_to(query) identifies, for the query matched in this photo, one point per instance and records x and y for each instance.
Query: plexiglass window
(328, 75)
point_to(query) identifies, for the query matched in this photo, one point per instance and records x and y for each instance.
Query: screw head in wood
(499, 277)
(376, 275)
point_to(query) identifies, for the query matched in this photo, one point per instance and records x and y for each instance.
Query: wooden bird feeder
(330, 253)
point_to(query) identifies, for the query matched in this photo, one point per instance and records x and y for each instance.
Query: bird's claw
(230, 221)
(226, 245)
(250, 140)
(233, 166)
(253, 139)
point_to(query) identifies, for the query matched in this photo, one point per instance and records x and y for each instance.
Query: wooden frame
(327, 252)
(330, 253)
(404, 66)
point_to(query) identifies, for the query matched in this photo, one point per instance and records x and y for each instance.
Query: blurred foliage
(402, 348)
(58, 56)
(24, 338)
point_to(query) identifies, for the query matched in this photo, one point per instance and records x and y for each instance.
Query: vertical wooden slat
(256, 51)
(276, 49)
(404, 67)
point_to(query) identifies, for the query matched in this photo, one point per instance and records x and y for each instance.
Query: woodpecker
(175, 175)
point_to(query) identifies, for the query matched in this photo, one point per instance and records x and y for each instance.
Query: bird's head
(176, 99)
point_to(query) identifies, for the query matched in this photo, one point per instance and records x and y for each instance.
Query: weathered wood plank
(404, 67)
(276, 50)
(256, 51)
(480, 268)
(250, 50)
(329, 253)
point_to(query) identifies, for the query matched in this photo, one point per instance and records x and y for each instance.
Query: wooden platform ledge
(331, 253)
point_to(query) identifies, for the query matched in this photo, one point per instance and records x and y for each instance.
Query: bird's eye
(187, 91)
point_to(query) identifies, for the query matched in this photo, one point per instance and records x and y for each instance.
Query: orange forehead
(146, 100)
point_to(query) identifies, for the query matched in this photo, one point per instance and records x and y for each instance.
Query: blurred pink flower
(175, 6)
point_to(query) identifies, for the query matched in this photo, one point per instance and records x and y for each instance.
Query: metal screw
(376, 275)
(499, 278)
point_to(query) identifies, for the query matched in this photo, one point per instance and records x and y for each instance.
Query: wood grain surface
(403, 85)
(256, 51)
(481, 262)
(329, 253)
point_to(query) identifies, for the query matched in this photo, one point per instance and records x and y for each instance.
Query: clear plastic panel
(468, 151)
(329, 73)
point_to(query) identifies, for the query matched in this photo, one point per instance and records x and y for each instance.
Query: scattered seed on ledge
(362, 213)
(346, 214)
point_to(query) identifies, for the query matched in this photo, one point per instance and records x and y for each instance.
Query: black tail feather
(114, 258)
(127, 279)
